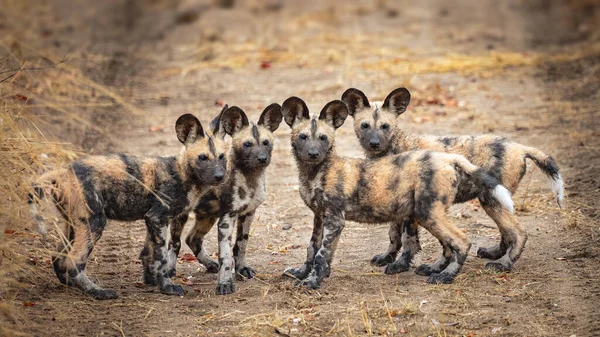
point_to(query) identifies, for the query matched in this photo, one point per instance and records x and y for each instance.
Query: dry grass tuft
(24, 152)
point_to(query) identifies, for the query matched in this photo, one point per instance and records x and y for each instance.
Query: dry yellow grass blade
(493, 62)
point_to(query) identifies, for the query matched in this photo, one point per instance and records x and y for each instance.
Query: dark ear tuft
(355, 100)
(397, 101)
(188, 129)
(271, 117)
(334, 113)
(294, 110)
(232, 120)
(214, 124)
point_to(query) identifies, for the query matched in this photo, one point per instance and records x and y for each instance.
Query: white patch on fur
(558, 189)
(503, 196)
(169, 254)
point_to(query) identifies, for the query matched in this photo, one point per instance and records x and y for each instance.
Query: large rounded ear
(355, 100)
(271, 117)
(294, 110)
(232, 120)
(397, 101)
(334, 113)
(188, 129)
(214, 124)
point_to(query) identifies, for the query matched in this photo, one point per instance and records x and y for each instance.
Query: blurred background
(96, 77)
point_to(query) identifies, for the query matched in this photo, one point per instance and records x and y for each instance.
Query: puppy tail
(39, 192)
(491, 188)
(32, 200)
(547, 164)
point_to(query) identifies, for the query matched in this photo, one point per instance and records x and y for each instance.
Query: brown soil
(530, 72)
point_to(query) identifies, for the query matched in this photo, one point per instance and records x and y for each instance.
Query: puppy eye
(202, 157)
(364, 125)
(303, 136)
(221, 156)
(266, 142)
(247, 144)
(385, 126)
(323, 137)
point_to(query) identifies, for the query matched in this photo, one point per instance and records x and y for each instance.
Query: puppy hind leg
(513, 235)
(455, 240)
(87, 233)
(440, 264)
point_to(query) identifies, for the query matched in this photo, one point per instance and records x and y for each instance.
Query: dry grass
(24, 152)
(38, 90)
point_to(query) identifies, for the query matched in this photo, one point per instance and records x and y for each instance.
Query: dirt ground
(529, 71)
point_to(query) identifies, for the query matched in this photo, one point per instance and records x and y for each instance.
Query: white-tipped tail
(558, 189)
(40, 223)
(503, 196)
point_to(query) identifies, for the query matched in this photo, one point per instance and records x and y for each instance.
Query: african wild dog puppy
(380, 135)
(238, 197)
(126, 187)
(417, 184)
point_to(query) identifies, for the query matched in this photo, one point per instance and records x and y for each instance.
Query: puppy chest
(246, 199)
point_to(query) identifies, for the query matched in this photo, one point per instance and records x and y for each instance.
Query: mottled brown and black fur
(379, 134)
(238, 197)
(417, 184)
(126, 187)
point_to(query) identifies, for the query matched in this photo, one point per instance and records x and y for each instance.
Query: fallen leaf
(28, 304)
(451, 103)
(188, 257)
(157, 128)
(9, 231)
(21, 97)
(432, 100)
(420, 120)
(265, 65)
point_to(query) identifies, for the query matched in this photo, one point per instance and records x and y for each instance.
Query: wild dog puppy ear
(214, 124)
(271, 117)
(397, 101)
(294, 110)
(355, 100)
(334, 113)
(188, 129)
(232, 120)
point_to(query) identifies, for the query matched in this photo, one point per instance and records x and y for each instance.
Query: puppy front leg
(226, 262)
(316, 239)
(333, 225)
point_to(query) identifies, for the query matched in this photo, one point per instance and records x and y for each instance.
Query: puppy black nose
(262, 158)
(374, 143)
(313, 153)
(219, 176)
